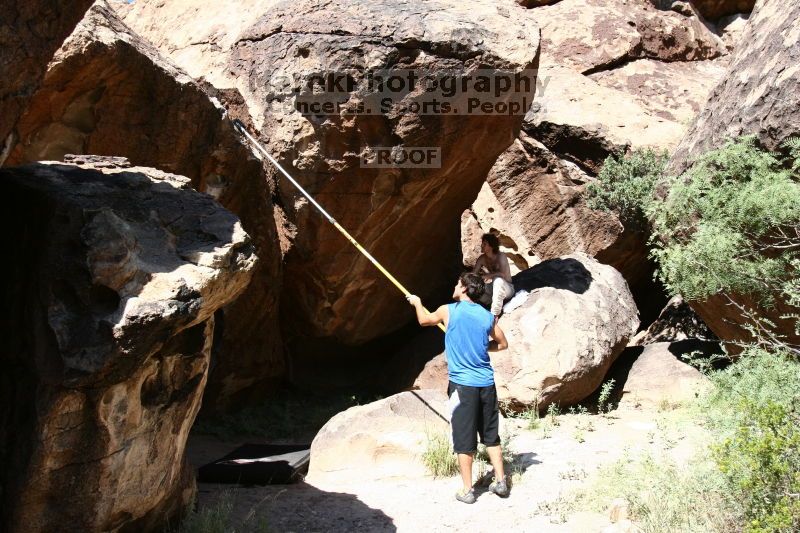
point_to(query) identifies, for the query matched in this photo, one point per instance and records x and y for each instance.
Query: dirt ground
(552, 463)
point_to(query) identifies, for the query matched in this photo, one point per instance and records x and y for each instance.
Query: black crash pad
(259, 464)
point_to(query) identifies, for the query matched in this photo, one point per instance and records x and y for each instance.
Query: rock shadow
(300, 507)
(703, 349)
(566, 274)
(384, 366)
(621, 368)
(520, 463)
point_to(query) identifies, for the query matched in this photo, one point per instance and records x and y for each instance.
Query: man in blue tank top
(471, 333)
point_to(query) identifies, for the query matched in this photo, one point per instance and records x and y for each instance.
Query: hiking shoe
(499, 487)
(466, 497)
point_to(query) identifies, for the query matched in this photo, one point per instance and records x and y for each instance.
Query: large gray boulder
(659, 379)
(111, 284)
(577, 319)
(384, 439)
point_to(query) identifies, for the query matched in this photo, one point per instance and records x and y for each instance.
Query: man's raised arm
(426, 318)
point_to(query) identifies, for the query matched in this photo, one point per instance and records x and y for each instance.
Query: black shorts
(476, 412)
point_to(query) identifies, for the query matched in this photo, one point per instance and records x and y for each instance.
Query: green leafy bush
(791, 291)
(625, 185)
(793, 146)
(730, 224)
(754, 411)
(662, 495)
(761, 461)
(603, 405)
(758, 377)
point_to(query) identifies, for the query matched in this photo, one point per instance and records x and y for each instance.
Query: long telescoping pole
(241, 129)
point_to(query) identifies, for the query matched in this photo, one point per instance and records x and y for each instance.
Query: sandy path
(555, 466)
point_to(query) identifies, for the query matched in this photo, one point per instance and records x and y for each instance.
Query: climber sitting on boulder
(493, 267)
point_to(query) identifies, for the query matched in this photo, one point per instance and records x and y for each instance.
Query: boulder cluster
(159, 266)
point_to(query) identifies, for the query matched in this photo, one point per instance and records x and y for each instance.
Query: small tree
(731, 224)
(625, 185)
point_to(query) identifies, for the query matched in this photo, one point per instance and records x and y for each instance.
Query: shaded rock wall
(30, 32)
(409, 219)
(110, 293)
(109, 92)
(676, 322)
(715, 9)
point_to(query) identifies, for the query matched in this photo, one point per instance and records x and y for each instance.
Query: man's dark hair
(492, 240)
(474, 285)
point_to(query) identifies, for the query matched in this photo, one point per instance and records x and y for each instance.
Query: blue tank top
(466, 344)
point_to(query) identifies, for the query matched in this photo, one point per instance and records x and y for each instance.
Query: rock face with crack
(760, 91)
(109, 92)
(332, 294)
(759, 95)
(380, 440)
(30, 32)
(197, 37)
(111, 292)
(583, 121)
(593, 35)
(536, 3)
(533, 201)
(578, 318)
(672, 91)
